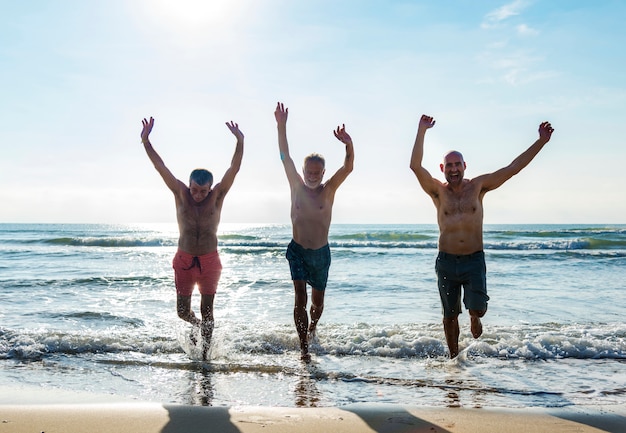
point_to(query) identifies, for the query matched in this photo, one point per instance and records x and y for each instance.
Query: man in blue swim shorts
(459, 203)
(311, 210)
(468, 271)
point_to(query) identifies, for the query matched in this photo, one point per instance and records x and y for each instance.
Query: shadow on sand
(383, 419)
(193, 419)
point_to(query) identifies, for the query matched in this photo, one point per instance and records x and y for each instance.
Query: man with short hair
(459, 203)
(198, 211)
(311, 211)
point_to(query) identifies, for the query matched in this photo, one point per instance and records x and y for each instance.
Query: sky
(78, 76)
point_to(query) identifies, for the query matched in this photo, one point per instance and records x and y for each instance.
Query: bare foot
(205, 352)
(476, 326)
(192, 335)
(206, 330)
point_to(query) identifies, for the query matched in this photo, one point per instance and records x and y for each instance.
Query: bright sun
(193, 15)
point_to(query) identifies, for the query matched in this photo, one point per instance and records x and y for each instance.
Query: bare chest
(194, 215)
(465, 202)
(307, 201)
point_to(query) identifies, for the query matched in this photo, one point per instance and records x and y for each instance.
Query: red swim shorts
(202, 270)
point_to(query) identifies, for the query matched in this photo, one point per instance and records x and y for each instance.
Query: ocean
(91, 308)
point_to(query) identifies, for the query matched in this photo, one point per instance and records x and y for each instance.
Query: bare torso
(460, 218)
(198, 223)
(311, 212)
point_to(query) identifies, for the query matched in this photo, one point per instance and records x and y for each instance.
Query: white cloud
(503, 13)
(525, 30)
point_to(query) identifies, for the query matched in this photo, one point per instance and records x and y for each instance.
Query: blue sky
(78, 77)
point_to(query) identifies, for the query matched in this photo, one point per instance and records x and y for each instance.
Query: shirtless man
(311, 211)
(198, 211)
(459, 203)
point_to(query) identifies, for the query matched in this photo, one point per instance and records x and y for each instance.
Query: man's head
(200, 182)
(313, 170)
(453, 167)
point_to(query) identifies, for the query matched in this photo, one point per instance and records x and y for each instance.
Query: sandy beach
(153, 418)
(40, 410)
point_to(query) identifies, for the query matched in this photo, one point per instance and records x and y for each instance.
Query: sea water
(92, 308)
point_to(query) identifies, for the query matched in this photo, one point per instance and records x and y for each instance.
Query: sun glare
(195, 15)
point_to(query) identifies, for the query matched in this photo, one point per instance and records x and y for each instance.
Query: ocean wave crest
(110, 242)
(539, 237)
(540, 342)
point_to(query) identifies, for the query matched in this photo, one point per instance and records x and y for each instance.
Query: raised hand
(545, 131)
(342, 135)
(234, 128)
(147, 128)
(281, 113)
(426, 122)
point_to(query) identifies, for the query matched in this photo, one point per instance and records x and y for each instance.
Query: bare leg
(301, 318)
(183, 308)
(476, 325)
(317, 308)
(451, 329)
(206, 307)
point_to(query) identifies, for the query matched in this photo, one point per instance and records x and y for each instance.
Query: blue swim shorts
(309, 265)
(467, 271)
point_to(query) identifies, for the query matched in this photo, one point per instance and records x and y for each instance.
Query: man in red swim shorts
(198, 211)
(190, 270)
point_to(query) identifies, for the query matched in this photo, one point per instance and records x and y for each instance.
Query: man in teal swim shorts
(309, 265)
(459, 203)
(311, 211)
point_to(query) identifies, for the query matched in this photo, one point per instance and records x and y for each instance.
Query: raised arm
(281, 113)
(172, 183)
(348, 163)
(428, 183)
(494, 180)
(235, 163)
